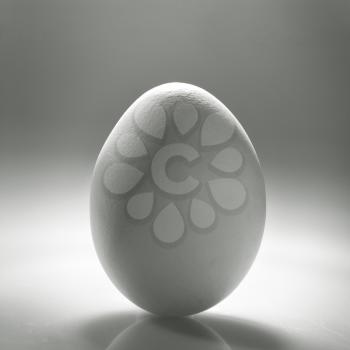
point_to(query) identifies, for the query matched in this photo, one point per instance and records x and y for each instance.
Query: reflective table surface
(55, 295)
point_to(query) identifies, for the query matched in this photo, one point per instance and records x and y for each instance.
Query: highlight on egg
(177, 201)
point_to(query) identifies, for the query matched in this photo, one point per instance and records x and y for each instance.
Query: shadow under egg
(196, 333)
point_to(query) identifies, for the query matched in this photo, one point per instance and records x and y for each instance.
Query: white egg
(177, 201)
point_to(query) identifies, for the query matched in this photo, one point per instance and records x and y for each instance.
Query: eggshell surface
(177, 201)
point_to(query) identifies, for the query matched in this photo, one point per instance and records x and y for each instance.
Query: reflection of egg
(168, 333)
(177, 201)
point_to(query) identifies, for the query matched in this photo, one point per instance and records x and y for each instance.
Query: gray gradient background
(70, 68)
